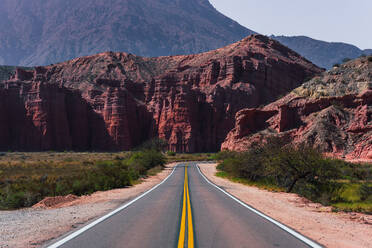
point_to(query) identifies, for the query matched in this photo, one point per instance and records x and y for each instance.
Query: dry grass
(26, 178)
(31, 157)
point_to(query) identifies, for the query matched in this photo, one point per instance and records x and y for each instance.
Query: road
(184, 211)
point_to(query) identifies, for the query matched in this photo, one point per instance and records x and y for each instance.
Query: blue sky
(347, 21)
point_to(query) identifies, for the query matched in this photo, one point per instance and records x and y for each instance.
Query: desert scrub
(171, 153)
(23, 184)
(278, 166)
(355, 197)
(183, 157)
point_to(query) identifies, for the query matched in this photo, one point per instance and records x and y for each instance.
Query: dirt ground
(53, 217)
(338, 230)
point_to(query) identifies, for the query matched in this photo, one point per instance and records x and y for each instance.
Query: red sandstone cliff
(332, 112)
(116, 100)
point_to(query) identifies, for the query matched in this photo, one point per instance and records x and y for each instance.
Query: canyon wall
(116, 101)
(331, 112)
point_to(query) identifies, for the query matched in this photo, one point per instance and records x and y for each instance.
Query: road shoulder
(32, 227)
(310, 219)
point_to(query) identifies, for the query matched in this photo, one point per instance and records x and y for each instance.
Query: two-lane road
(184, 211)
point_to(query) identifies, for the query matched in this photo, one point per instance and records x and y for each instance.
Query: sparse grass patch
(261, 185)
(154, 171)
(363, 207)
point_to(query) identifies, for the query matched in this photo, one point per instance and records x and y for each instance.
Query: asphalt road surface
(184, 211)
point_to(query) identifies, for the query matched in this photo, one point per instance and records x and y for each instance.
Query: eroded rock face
(115, 101)
(332, 112)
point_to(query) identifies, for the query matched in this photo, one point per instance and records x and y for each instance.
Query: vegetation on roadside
(278, 166)
(182, 157)
(24, 183)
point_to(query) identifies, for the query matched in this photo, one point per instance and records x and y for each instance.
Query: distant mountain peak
(322, 53)
(40, 33)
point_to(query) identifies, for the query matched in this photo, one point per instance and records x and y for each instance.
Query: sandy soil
(54, 217)
(330, 229)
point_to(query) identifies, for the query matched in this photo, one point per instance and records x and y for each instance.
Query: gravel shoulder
(33, 227)
(351, 230)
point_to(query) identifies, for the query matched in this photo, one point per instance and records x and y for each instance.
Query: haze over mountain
(41, 32)
(322, 53)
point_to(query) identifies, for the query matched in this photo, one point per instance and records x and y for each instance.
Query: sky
(348, 21)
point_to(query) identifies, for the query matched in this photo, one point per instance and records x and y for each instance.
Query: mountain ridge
(116, 101)
(322, 53)
(41, 33)
(46, 32)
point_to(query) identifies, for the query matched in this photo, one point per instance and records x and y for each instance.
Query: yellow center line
(186, 205)
(181, 239)
(190, 243)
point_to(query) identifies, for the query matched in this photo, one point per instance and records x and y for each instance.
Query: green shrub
(12, 199)
(171, 153)
(365, 192)
(63, 188)
(224, 155)
(81, 187)
(297, 169)
(146, 159)
(156, 144)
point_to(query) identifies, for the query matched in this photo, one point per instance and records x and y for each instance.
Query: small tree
(365, 191)
(291, 165)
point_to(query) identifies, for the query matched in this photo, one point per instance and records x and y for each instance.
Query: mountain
(321, 53)
(116, 101)
(42, 32)
(331, 112)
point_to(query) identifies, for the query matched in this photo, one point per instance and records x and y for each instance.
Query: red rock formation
(332, 112)
(116, 100)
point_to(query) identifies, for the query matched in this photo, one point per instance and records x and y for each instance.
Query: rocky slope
(332, 112)
(42, 32)
(116, 100)
(322, 53)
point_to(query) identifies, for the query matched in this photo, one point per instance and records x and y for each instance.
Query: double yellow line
(186, 205)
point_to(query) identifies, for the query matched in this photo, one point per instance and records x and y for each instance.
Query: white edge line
(87, 227)
(285, 228)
